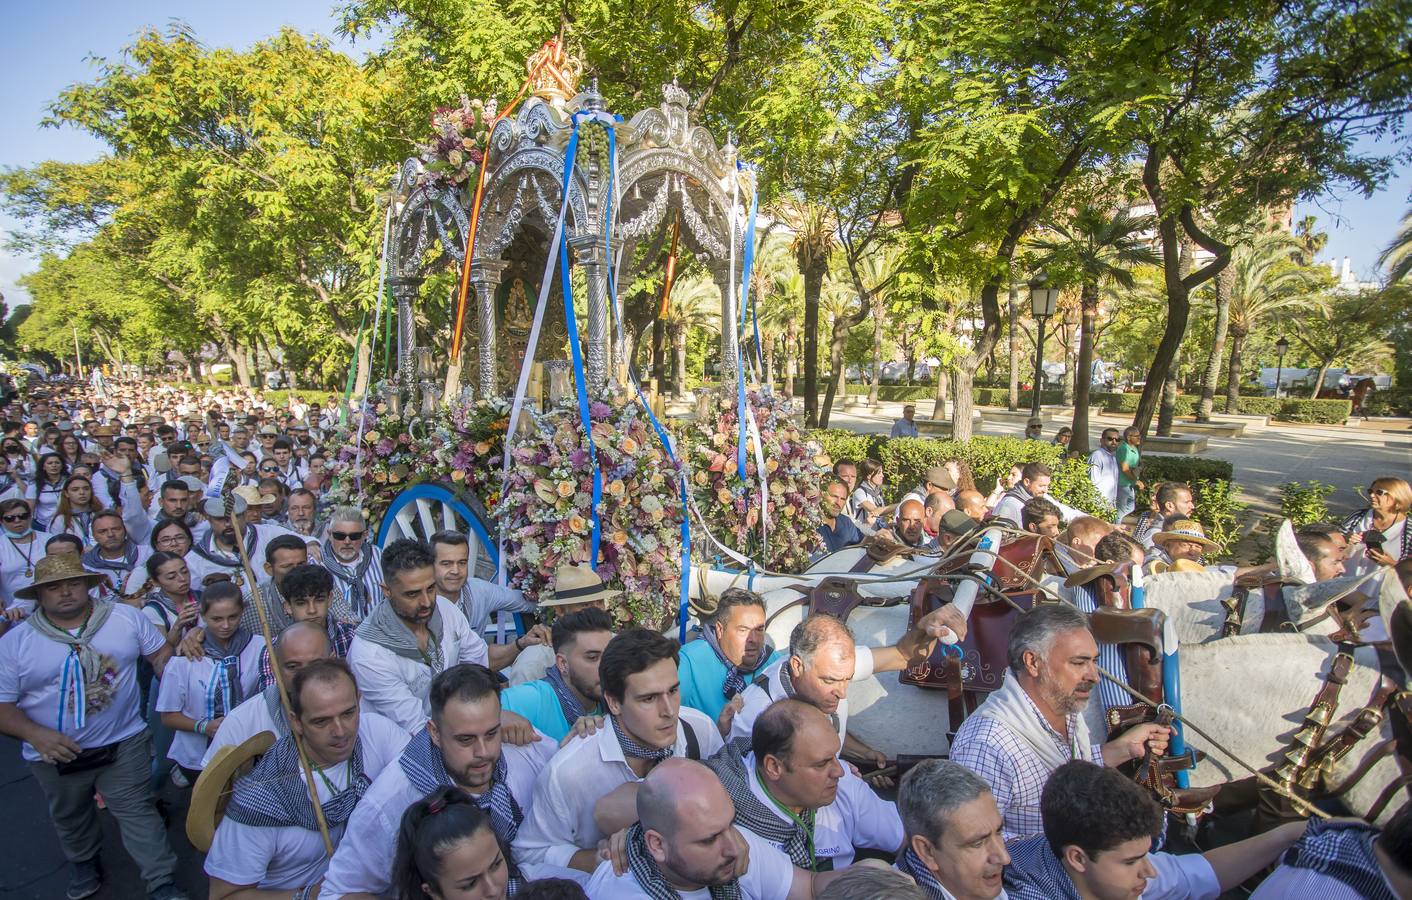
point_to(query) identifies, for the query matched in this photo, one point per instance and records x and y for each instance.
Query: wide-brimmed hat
(1185, 530)
(251, 495)
(939, 476)
(217, 782)
(57, 567)
(216, 506)
(102, 431)
(578, 584)
(1090, 574)
(268, 430)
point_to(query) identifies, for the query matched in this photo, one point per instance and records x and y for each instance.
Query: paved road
(1345, 457)
(32, 867)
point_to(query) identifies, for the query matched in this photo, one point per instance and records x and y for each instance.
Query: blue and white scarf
(275, 794)
(736, 677)
(569, 703)
(94, 561)
(425, 768)
(910, 863)
(82, 668)
(223, 692)
(634, 749)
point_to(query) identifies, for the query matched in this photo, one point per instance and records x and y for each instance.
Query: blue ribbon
(683, 605)
(219, 687)
(71, 677)
(749, 266)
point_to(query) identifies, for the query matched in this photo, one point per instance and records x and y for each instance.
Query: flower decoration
(460, 140)
(731, 506)
(545, 514)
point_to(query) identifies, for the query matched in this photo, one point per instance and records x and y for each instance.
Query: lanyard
(805, 821)
(332, 788)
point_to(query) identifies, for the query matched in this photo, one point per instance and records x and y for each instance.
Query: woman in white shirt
(867, 497)
(21, 547)
(1378, 533)
(196, 694)
(76, 509)
(50, 474)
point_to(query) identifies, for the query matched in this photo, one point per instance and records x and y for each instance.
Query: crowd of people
(404, 742)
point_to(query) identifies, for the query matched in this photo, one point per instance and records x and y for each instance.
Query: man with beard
(685, 845)
(460, 745)
(791, 790)
(353, 560)
(409, 638)
(1034, 723)
(570, 688)
(911, 524)
(1041, 517)
(955, 849)
(646, 725)
(1035, 479)
(215, 554)
(838, 528)
(302, 512)
(269, 839)
(732, 652)
(1326, 548)
(113, 553)
(480, 601)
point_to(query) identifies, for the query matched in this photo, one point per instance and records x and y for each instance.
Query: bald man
(938, 504)
(295, 647)
(1078, 542)
(972, 503)
(911, 524)
(685, 844)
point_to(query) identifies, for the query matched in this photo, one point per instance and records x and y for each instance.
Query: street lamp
(1043, 299)
(1281, 347)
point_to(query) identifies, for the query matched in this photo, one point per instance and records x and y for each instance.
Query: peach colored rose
(565, 489)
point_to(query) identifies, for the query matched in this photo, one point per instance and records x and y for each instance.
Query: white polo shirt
(756, 699)
(399, 687)
(770, 877)
(857, 817)
(290, 857)
(363, 862)
(31, 665)
(184, 686)
(561, 821)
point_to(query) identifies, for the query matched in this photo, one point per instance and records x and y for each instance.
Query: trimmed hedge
(1288, 409)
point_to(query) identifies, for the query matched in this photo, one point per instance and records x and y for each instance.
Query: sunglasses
(17, 517)
(1376, 492)
(347, 535)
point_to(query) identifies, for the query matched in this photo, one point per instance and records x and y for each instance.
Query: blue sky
(47, 46)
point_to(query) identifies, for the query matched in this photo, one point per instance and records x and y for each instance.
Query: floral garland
(730, 507)
(460, 139)
(544, 514)
(461, 444)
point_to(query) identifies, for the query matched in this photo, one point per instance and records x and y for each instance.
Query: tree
(1397, 256)
(814, 239)
(1092, 247)
(695, 304)
(1265, 281)
(1349, 328)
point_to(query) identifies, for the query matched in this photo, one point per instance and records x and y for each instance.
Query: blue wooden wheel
(424, 509)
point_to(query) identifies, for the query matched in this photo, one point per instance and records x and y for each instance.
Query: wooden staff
(279, 676)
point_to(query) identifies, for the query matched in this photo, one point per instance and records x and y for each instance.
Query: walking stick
(274, 667)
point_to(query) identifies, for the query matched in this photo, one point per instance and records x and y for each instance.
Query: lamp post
(1043, 299)
(1281, 347)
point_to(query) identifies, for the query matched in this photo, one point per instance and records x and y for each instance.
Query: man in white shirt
(460, 745)
(215, 552)
(823, 658)
(1103, 467)
(269, 838)
(481, 601)
(792, 791)
(1099, 826)
(955, 847)
(410, 637)
(685, 845)
(646, 725)
(68, 690)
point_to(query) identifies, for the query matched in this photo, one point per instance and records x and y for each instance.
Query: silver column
(404, 291)
(485, 278)
(590, 253)
(730, 348)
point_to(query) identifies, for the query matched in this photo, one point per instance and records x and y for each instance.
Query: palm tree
(1266, 281)
(815, 234)
(1096, 248)
(877, 269)
(781, 313)
(774, 264)
(1398, 255)
(695, 303)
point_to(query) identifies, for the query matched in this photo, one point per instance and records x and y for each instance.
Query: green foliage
(1218, 510)
(1396, 402)
(1287, 409)
(1189, 469)
(840, 444)
(1303, 503)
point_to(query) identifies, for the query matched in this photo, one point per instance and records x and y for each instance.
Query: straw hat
(57, 567)
(578, 584)
(251, 495)
(217, 782)
(1185, 530)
